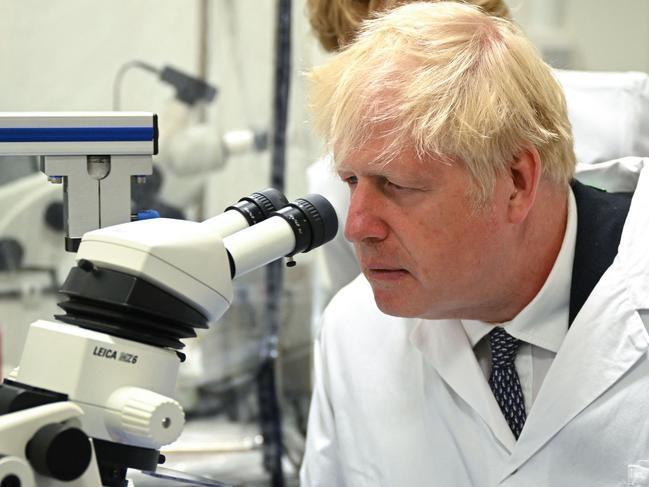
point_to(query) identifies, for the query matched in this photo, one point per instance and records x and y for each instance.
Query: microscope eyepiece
(247, 211)
(300, 226)
(313, 220)
(259, 205)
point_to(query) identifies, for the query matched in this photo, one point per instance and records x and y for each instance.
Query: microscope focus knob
(15, 472)
(59, 451)
(143, 418)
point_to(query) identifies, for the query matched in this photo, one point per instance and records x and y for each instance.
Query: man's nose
(364, 218)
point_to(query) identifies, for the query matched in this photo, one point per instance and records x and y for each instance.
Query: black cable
(267, 393)
(282, 92)
(269, 408)
(117, 81)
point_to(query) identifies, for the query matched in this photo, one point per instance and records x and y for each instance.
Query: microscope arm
(94, 155)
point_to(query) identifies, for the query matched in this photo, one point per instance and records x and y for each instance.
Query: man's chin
(394, 304)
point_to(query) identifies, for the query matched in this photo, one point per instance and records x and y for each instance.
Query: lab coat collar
(445, 345)
(636, 263)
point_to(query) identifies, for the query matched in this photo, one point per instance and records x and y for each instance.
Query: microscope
(94, 391)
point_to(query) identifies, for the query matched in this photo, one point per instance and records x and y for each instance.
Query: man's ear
(525, 173)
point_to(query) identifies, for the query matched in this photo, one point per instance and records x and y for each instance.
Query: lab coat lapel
(444, 345)
(607, 336)
(606, 339)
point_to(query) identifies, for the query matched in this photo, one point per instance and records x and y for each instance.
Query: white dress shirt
(541, 325)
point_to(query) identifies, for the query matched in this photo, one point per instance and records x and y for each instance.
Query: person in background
(498, 334)
(336, 22)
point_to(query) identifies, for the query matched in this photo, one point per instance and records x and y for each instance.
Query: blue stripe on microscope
(76, 134)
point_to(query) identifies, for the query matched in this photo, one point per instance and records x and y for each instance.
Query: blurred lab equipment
(191, 148)
(609, 113)
(189, 89)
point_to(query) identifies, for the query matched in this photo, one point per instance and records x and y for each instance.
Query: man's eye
(351, 180)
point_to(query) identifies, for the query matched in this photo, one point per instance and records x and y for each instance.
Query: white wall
(64, 54)
(602, 35)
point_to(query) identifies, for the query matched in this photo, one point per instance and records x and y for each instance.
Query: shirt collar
(544, 321)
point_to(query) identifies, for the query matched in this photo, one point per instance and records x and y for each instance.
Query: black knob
(59, 451)
(11, 254)
(10, 480)
(313, 221)
(260, 205)
(54, 216)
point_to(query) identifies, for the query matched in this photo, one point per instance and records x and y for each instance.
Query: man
(528, 365)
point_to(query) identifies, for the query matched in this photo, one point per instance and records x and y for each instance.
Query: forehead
(370, 159)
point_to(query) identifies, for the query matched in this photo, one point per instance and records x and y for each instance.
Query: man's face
(424, 247)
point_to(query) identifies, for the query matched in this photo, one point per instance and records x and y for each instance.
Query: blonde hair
(336, 22)
(451, 82)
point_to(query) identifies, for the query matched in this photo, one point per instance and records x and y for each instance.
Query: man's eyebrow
(340, 168)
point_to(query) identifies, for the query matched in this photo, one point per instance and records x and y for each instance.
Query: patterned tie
(504, 380)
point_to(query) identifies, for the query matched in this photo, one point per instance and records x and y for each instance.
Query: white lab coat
(402, 402)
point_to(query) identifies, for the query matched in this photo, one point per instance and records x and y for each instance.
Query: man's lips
(378, 265)
(384, 273)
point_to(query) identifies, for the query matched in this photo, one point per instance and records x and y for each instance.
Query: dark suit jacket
(600, 219)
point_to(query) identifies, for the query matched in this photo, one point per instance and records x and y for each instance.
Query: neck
(537, 244)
